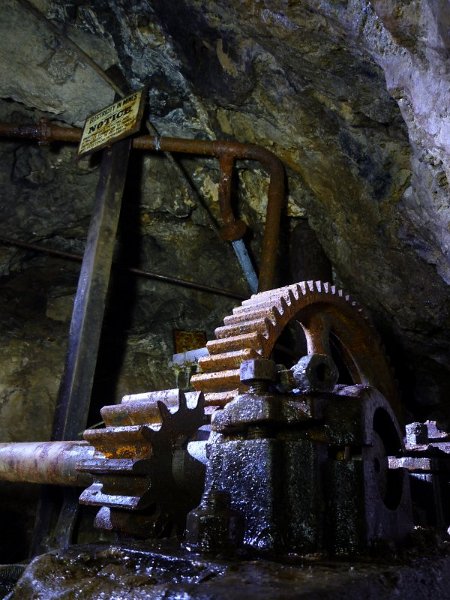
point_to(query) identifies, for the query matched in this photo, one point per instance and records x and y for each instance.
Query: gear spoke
(317, 332)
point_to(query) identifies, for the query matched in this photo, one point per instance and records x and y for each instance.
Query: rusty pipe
(45, 462)
(46, 132)
(240, 151)
(43, 132)
(232, 229)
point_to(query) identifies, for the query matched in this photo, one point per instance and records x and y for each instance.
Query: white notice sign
(113, 123)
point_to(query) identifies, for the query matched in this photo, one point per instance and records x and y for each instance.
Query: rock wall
(351, 95)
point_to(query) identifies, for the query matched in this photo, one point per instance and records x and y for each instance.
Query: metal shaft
(246, 264)
(74, 395)
(45, 462)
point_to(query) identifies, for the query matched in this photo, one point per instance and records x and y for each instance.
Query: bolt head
(315, 372)
(258, 369)
(207, 526)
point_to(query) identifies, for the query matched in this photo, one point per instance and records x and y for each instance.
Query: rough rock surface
(352, 95)
(38, 71)
(93, 572)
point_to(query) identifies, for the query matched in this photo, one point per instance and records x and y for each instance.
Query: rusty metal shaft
(225, 151)
(45, 462)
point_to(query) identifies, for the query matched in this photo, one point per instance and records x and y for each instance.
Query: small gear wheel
(144, 479)
(332, 323)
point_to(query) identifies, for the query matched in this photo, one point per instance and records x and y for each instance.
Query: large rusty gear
(136, 481)
(134, 466)
(328, 318)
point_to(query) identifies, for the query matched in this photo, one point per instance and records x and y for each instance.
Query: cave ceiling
(352, 95)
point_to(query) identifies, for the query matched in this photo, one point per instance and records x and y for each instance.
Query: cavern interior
(224, 306)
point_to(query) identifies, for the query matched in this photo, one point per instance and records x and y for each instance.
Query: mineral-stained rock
(354, 98)
(37, 70)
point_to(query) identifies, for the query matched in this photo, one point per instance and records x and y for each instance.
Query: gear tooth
(292, 293)
(164, 412)
(271, 317)
(270, 327)
(241, 328)
(195, 401)
(255, 328)
(168, 396)
(182, 404)
(277, 314)
(252, 300)
(115, 415)
(301, 286)
(242, 318)
(220, 399)
(216, 381)
(131, 494)
(227, 360)
(128, 458)
(239, 342)
(283, 306)
(290, 298)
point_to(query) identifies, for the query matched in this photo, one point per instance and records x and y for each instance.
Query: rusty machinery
(227, 152)
(285, 446)
(305, 456)
(75, 389)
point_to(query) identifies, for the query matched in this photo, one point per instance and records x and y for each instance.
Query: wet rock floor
(132, 572)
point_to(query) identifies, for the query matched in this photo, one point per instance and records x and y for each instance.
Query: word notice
(113, 123)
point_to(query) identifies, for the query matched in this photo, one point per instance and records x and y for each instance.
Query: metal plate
(113, 123)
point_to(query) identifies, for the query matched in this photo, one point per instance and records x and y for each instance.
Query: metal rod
(46, 132)
(139, 272)
(233, 230)
(225, 192)
(87, 318)
(246, 264)
(45, 462)
(275, 195)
